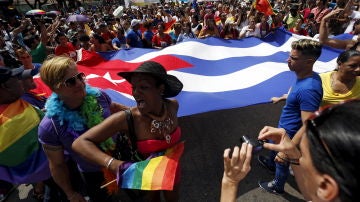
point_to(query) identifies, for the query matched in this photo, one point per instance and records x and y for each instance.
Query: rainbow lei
(89, 115)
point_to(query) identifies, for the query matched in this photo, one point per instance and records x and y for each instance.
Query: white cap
(134, 22)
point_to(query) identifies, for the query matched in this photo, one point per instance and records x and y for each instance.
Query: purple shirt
(65, 136)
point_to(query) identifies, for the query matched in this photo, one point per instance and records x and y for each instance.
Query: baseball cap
(134, 22)
(6, 73)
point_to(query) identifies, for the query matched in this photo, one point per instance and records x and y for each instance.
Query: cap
(6, 73)
(134, 22)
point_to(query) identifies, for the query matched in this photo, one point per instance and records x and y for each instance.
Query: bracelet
(109, 162)
(288, 160)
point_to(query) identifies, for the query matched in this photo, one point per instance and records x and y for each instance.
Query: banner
(216, 73)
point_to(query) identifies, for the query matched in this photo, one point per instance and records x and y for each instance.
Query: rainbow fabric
(157, 173)
(22, 159)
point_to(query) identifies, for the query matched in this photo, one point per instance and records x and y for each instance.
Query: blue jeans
(281, 173)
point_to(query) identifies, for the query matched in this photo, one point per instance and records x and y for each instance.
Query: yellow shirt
(330, 97)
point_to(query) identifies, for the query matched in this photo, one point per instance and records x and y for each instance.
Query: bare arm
(115, 46)
(24, 24)
(235, 169)
(43, 36)
(116, 107)
(297, 137)
(60, 172)
(85, 145)
(324, 32)
(52, 28)
(202, 33)
(278, 99)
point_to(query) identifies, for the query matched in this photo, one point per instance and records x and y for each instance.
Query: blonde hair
(308, 47)
(53, 70)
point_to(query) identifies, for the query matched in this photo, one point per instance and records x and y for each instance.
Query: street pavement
(206, 136)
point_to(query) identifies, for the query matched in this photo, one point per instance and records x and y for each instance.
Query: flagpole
(107, 184)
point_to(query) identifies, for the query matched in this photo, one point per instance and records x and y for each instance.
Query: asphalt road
(206, 136)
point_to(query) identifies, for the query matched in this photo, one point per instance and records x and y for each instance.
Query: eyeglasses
(71, 82)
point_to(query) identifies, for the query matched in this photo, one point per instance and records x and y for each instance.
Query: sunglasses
(317, 120)
(71, 82)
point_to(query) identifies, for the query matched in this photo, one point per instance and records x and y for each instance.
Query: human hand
(281, 141)
(121, 169)
(333, 13)
(238, 166)
(280, 160)
(275, 99)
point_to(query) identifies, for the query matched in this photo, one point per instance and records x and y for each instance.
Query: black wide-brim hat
(173, 85)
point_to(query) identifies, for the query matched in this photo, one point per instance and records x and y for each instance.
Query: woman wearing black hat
(155, 122)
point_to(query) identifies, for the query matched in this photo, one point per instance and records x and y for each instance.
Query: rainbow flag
(157, 173)
(22, 159)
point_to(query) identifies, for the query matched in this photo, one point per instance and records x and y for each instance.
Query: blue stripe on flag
(226, 74)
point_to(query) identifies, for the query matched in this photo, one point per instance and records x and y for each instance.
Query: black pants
(93, 181)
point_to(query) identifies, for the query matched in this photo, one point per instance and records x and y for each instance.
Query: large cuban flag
(216, 73)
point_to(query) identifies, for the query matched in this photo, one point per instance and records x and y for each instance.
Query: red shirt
(299, 32)
(68, 50)
(156, 40)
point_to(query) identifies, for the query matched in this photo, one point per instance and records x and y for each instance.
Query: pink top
(150, 146)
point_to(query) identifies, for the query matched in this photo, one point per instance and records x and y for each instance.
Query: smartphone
(257, 144)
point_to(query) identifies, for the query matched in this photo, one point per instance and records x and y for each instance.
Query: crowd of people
(160, 25)
(76, 120)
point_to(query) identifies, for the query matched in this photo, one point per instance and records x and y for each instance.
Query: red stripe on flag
(172, 166)
(98, 66)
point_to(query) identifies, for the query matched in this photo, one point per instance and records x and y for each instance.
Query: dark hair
(196, 17)
(99, 38)
(357, 22)
(58, 35)
(147, 24)
(308, 47)
(311, 16)
(344, 56)
(162, 25)
(29, 40)
(338, 128)
(74, 41)
(9, 60)
(84, 37)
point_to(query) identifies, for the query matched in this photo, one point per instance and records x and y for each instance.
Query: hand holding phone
(257, 144)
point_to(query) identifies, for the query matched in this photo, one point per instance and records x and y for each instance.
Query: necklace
(88, 115)
(340, 89)
(162, 125)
